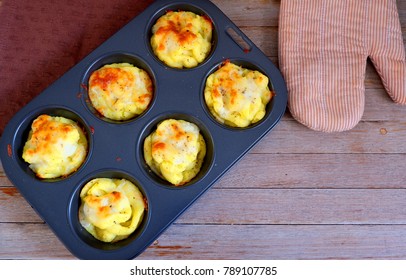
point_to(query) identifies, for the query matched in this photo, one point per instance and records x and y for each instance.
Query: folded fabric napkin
(323, 51)
(41, 40)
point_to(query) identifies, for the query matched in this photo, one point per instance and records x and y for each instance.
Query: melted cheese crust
(237, 96)
(111, 209)
(175, 151)
(56, 147)
(120, 91)
(182, 39)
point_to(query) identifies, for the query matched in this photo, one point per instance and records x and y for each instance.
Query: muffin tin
(116, 148)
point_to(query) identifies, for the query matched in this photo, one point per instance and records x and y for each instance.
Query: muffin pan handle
(239, 39)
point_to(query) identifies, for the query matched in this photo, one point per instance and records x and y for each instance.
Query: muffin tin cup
(204, 131)
(116, 148)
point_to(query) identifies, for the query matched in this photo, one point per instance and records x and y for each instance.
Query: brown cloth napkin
(323, 50)
(40, 40)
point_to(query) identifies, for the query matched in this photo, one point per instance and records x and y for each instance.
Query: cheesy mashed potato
(182, 39)
(56, 147)
(175, 151)
(111, 209)
(237, 96)
(120, 91)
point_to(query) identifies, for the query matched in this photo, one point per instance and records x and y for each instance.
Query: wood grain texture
(266, 206)
(368, 137)
(298, 194)
(236, 242)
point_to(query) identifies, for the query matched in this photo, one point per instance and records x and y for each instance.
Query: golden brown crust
(182, 39)
(237, 96)
(120, 91)
(56, 146)
(175, 151)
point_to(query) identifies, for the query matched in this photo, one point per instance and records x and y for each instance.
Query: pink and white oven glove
(323, 51)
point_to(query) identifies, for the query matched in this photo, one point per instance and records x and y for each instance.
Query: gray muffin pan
(116, 148)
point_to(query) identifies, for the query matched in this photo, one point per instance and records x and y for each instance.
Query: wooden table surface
(298, 194)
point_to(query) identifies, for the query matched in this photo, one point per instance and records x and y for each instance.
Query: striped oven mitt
(323, 50)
